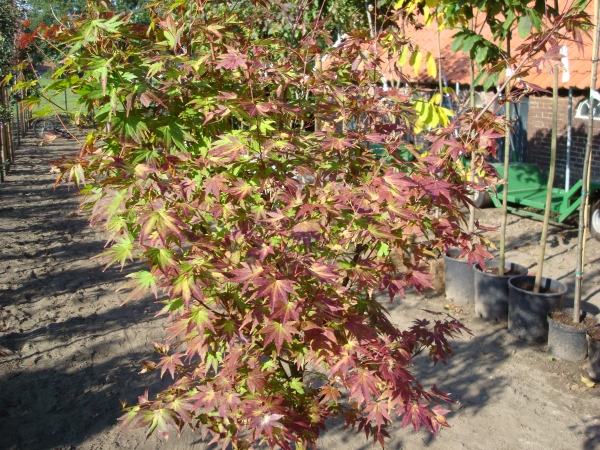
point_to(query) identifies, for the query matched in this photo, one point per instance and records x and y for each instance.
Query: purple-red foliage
(268, 240)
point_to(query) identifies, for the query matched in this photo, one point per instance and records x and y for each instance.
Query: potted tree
(532, 297)
(567, 337)
(487, 283)
(490, 282)
(593, 335)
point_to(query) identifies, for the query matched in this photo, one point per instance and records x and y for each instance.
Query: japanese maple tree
(245, 178)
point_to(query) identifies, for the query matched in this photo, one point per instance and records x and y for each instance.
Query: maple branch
(359, 249)
(292, 367)
(52, 104)
(529, 55)
(212, 310)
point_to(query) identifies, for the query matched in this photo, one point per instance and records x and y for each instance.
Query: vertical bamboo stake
(9, 141)
(2, 153)
(505, 176)
(18, 114)
(9, 136)
(471, 226)
(319, 68)
(586, 174)
(4, 138)
(440, 83)
(23, 115)
(542, 251)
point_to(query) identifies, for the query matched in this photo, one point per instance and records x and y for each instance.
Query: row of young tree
(241, 171)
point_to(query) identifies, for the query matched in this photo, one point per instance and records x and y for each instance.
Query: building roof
(456, 65)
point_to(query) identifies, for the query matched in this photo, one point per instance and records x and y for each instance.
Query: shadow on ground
(61, 383)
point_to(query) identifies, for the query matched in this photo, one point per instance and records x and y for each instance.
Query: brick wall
(539, 135)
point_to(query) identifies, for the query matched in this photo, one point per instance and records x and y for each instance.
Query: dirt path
(69, 351)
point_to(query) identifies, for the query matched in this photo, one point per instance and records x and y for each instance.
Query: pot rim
(456, 258)
(587, 332)
(477, 268)
(571, 328)
(511, 285)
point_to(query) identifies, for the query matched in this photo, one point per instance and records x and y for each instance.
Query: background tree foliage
(503, 19)
(10, 20)
(53, 11)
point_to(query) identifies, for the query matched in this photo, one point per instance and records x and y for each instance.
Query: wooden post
(8, 131)
(11, 154)
(3, 152)
(19, 126)
(3, 143)
(23, 116)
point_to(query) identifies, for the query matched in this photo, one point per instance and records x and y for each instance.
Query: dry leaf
(589, 383)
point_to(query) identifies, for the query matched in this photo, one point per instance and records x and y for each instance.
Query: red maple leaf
(363, 385)
(287, 311)
(438, 418)
(232, 60)
(256, 380)
(206, 397)
(324, 272)
(276, 290)
(319, 337)
(394, 286)
(215, 185)
(344, 362)
(247, 274)
(379, 412)
(329, 393)
(417, 414)
(229, 402)
(398, 179)
(334, 143)
(279, 333)
(266, 423)
(419, 278)
(479, 254)
(170, 363)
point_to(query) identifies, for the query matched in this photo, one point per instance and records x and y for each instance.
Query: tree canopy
(52, 11)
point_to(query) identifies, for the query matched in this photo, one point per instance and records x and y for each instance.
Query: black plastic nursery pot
(593, 339)
(459, 278)
(569, 342)
(527, 310)
(491, 290)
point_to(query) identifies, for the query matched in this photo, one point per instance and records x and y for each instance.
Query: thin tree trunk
(471, 226)
(440, 82)
(319, 68)
(502, 265)
(369, 20)
(542, 252)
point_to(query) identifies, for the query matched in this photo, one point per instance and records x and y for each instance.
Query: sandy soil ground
(69, 351)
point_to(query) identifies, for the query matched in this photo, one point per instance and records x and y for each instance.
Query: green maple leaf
(201, 318)
(119, 252)
(163, 221)
(141, 282)
(161, 257)
(297, 385)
